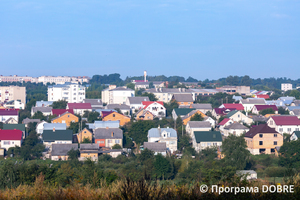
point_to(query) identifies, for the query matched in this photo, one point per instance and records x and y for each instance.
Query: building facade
(70, 92)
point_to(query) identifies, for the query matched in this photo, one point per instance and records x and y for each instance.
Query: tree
(145, 155)
(61, 104)
(73, 154)
(39, 115)
(131, 86)
(289, 154)
(162, 167)
(86, 140)
(116, 146)
(282, 111)
(246, 80)
(197, 117)
(235, 151)
(267, 111)
(151, 96)
(151, 85)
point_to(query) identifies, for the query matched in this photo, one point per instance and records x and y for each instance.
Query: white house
(8, 114)
(135, 103)
(80, 108)
(71, 92)
(250, 102)
(116, 95)
(206, 139)
(167, 135)
(236, 129)
(284, 123)
(238, 116)
(45, 110)
(14, 104)
(192, 126)
(157, 147)
(10, 138)
(157, 108)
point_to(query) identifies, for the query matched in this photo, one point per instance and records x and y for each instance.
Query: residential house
(210, 120)
(181, 112)
(284, 123)
(85, 133)
(286, 86)
(59, 112)
(80, 108)
(20, 127)
(165, 94)
(43, 103)
(158, 84)
(40, 127)
(27, 121)
(135, 103)
(237, 98)
(167, 135)
(65, 118)
(258, 118)
(278, 103)
(14, 104)
(60, 151)
(112, 152)
(263, 139)
(114, 116)
(11, 121)
(295, 103)
(103, 124)
(236, 129)
(238, 116)
(295, 135)
(141, 85)
(108, 137)
(243, 90)
(57, 137)
(257, 108)
(116, 95)
(183, 99)
(291, 108)
(45, 110)
(95, 103)
(144, 115)
(203, 107)
(125, 109)
(89, 151)
(225, 122)
(7, 114)
(192, 126)
(10, 138)
(262, 96)
(287, 100)
(157, 108)
(54, 126)
(157, 147)
(188, 117)
(235, 106)
(206, 139)
(295, 112)
(219, 112)
(251, 102)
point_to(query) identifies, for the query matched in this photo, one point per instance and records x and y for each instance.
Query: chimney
(107, 127)
(53, 129)
(112, 134)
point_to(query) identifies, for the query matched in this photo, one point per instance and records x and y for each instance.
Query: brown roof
(262, 128)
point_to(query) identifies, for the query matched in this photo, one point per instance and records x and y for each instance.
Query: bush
(275, 171)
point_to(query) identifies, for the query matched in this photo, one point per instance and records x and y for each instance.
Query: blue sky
(203, 39)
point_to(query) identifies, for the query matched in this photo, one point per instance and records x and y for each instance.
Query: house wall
(8, 93)
(84, 134)
(283, 129)
(73, 93)
(203, 145)
(115, 117)
(101, 142)
(157, 109)
(3, 118)
(89, 155)
(112, 142)
(191, 131)
(48, 145)
(185, 121)
(66, 118)
(148, 116)
(236, 132)
(240, 117)
(56, 158)
(81, 111)
(10, 143)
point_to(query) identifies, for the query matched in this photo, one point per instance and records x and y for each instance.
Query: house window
(114, 115)
(215, 144)
(281, 129)
(289, 129)
(275, 135)
(109, 141)
(99, 142)
(275, 142)
(297, 129)
(260, 142)
(260, 135)
(6, 142)
(208, 144)
(271, 122)
(117, 141)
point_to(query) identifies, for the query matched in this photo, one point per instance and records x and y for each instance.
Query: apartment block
(71, 92)
(9, 93)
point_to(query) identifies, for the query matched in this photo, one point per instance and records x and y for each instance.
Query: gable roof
(156, 146)
(286, 120)
(58, 112)
(296, 102)
(79, 106)
(156, 132)
(208, 136)
(183, 111)
(224, 121)
(43, 103)
(148, 103)
(297, 133)
(253, 101)
(93, 102)
(104, 124)
(291, 108)
(41, 109)
(199, 124)
(231, 113)
(144, 112)
(202, 106)
(258, 118)
(264, 96)
(27, 121)
(105, 113)
(183, 97)
(192, 113)
(262, 107)
(116, 113)
(120, 106)
(237, 106)
(106, 133)
(8, 112)
(66, 113)
(296, 112)
(236, 126)
(11, 134)
(14, 126)
(137, 100)
(223, 111)
(62, 149)
(261, 128)
(49, 135)
(89, 146)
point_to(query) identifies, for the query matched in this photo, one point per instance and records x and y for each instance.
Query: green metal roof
(297, 133)
(20, 127)
(231, 113)
(183, 111)
(208, 136)
(49, 135)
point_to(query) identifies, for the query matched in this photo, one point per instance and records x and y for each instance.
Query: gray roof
(183, 106)
(43, 103)
(137, 100)
(104, 124)
(120, 106)
(104, 133)
(207, 90)
(57, 126)
(142, 83)
(242, 172)
(199, 124)
(62, 149)
(236, 126)
(169, 90)
(258, 118)
(287, 100)
(93, 102)
(183, 97)
(41, 109)
(275, 102)
(296, 102)
(257, 101)
(49, 135)
(156, 146)
(89, 147)
(296, 112)
(27, 121)
(202, 106)
(293, 107)
(156, 132)
(121, 88)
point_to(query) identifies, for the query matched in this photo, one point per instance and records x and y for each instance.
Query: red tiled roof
(262, 107)
(8, 112)
(224, 121)
(10, 134)
(58, 112)
(286, 120)
(264, 96)
(147, 103)
(262, 128)
(79, 106)
(234, 105)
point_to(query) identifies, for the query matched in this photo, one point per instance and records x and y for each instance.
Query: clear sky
(203, 39)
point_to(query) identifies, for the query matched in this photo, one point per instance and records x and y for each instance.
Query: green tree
(289, 154)
(267, 111)
(197, 117)
(138, 131)
(235, 150)
(246, 80)
(162, 167)
(39, 115)
(61, 104)
(282, 111)
(131, 86)
(86, 140)
(116, 146)
(73, 154)
(151, 96)
(145, 155)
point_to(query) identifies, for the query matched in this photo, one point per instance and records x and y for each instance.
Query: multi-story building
(286, 86)
(45, 79)
(9, 93)
(116, 95)
(71, 92)
(16, 78)
(243, 90)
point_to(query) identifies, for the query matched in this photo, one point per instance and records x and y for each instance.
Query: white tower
(145, 76)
